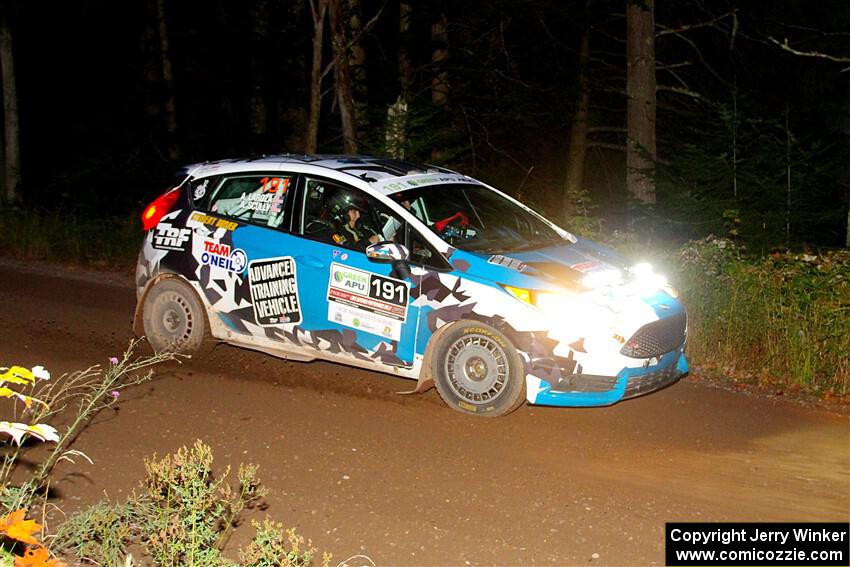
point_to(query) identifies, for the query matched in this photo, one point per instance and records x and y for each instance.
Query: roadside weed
(782, 320)
(184, 515)
(31, 234)
(74, 399)
(273, 545)
(194, 511)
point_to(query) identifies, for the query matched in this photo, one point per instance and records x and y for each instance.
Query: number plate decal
(367, 302)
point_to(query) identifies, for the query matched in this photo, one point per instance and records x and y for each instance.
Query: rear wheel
(477, 370)
(173, 317)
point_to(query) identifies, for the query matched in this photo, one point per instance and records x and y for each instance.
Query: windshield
(477, 219)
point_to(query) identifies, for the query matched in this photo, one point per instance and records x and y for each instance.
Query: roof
(379, 172)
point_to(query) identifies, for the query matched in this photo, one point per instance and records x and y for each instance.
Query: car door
(244, 252)
(349, 303)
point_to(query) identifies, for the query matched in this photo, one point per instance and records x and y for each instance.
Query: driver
(353, 232)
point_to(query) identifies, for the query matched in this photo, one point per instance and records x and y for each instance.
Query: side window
(345, 217)
(422, 254)
(200, 190)
(254, 198)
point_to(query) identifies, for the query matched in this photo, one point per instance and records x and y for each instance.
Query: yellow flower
(17, 375)
(28, 400)
(20, 375)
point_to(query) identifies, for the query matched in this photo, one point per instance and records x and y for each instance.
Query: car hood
(564, 264)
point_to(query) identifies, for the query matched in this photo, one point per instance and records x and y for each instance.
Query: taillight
(154, 212)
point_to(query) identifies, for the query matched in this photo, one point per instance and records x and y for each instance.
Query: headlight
(646, 281)
(602, 278)
(569, 315)
(554, 304)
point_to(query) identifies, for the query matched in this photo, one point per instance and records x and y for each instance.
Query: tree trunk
(357, 64)
(11, 128)
(319, 11)
(257, 107)
(342, 79)
(169, 106)
(395, 134)
(405, 67)
(440, 80)
(574, 186)
(226, 111)
(440, 77)
(151, 66)
(640, 88)
(357, 56)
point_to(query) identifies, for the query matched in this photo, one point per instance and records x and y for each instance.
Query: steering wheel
(318, 225)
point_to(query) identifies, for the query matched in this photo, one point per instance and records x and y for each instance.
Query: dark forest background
(752, 102)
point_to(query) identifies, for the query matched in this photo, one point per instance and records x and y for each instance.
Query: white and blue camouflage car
(412, 270)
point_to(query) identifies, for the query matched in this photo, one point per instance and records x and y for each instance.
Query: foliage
(194, 511)
(183, 516)
(782, 187)
(273, 545)
(100, 532)
(77, 397)
(59, 235)
(779, 319)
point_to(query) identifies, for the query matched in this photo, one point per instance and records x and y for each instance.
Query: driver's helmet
(343, 203)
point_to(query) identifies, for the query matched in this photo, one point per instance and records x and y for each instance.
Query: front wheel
(477, 370)
(173, 317)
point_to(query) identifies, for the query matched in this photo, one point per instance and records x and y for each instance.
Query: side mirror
(387, 252)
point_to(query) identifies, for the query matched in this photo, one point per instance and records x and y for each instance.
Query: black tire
(173, 317)
(477, 370)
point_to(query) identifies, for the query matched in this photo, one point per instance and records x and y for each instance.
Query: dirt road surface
(405, 480)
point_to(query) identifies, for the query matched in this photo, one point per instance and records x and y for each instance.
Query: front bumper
(583, 390)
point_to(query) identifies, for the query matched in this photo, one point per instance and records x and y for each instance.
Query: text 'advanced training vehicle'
(415, 271)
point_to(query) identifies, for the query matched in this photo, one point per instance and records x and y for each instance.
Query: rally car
(412, 270)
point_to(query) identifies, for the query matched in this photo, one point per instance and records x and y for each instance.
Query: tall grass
(782, 319)
(70, 237)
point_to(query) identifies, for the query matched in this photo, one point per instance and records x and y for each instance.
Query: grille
(585, 383)
(657, 338)
(650, 382)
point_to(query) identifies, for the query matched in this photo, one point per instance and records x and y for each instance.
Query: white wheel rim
(477, 368)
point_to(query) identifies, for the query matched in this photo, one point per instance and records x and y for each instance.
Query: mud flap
(424, 384)
(425, 381)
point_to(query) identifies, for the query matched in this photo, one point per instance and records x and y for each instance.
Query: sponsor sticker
(214, 221)
(201, 189)
(393, 186)
(274, 291)
(221, 255)
(167, 237)
(367, 302)
(507, 262)
(585, 266)
(268, 198)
